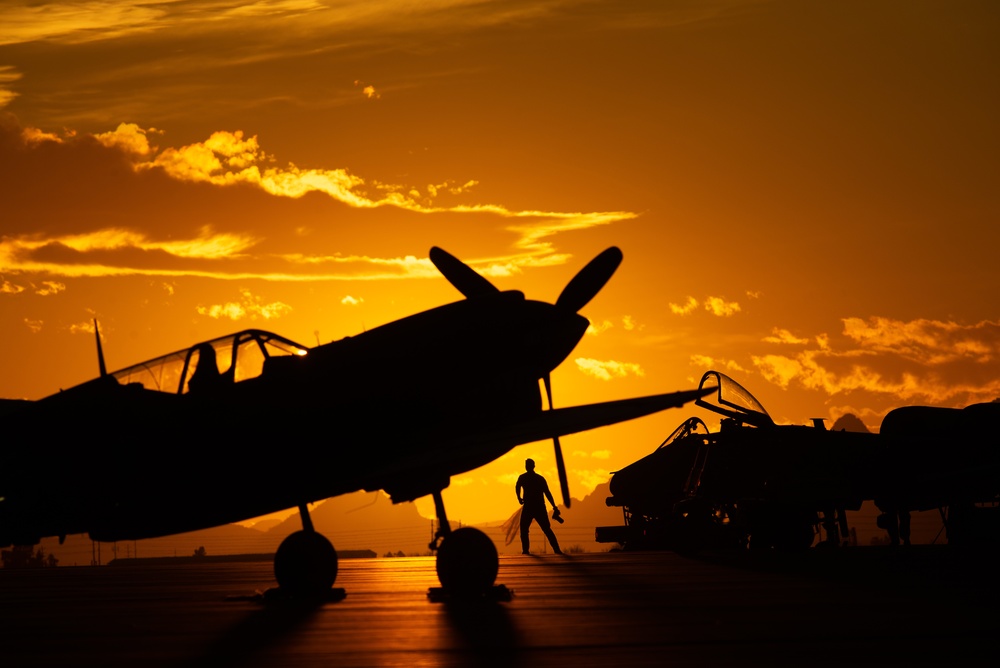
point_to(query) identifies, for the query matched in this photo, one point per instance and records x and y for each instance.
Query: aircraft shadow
(485, 631)
(261, 630)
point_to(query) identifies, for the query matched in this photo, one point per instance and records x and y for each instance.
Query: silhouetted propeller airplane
(253, 423)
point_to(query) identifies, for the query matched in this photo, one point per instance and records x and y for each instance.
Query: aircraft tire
(467, 562)
(305, 564)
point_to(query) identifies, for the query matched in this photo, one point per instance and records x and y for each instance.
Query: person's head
(529, 464)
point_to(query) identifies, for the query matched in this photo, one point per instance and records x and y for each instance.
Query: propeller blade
(589, 280)
(560, 464)
(461, 275)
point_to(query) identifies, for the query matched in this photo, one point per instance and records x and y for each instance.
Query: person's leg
(543, 522)
(525, 526)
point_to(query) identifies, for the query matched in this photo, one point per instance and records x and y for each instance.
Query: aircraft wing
(467, 451)
(563, 421)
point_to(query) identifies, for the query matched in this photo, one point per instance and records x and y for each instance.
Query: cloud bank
(918, 361)
(125, 170)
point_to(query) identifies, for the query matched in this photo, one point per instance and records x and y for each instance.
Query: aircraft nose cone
(558, 336)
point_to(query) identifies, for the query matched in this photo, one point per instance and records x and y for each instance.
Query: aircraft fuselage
(400, 407)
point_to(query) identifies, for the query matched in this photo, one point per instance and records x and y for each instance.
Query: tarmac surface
(925, 605)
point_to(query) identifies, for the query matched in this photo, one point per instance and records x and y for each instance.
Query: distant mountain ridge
(358, 521)
(850, 422)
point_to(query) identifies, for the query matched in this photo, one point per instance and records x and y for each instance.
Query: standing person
(536, 490)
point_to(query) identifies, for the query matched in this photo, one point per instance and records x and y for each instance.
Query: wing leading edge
(563, 421)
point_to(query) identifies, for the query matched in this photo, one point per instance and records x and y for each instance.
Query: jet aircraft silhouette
(758, 484)
(253, 423)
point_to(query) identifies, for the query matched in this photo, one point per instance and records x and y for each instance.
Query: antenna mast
(100, 351)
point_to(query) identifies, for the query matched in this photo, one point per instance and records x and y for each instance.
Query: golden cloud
(784, 336)
(628, 324)
(35, 136)
(923, 360)
(249, 307)
(99, 20)
(76, 22)
(50, 288)
(720, 307)
(707, 363)
(17, 252)
(447, 186)
(228, 159)
(507, 478)
(607, 369)
(590, 479)
(714, 305)
(596, 454)
(806, 370)
(686, 308)
(367, 90)
(85, 327)
(128, 137)
(704, 361)
(376, 268)
(270, 8)
(549, 223)
(596, 328)
(926, 341)
(7, 75)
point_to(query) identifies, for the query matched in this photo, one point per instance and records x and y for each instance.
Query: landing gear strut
(305, 564)
(467, 561)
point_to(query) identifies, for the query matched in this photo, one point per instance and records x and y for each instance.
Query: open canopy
(732, 400)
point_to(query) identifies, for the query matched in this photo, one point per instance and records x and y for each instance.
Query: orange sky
(805, 193)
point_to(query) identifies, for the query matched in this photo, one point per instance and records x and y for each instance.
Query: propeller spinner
(577, 294)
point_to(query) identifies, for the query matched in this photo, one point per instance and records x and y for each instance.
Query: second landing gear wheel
(305, 565)
(467, 562)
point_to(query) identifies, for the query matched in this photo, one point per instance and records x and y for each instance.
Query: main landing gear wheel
(305, 565)
(467, 563)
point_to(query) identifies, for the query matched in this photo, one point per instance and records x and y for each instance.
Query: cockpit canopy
(691, 426)
(237, 357)
(732, 400)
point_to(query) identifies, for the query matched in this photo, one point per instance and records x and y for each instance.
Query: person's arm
(548, 494)
(517, 490)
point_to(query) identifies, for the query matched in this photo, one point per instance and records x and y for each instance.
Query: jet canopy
(232, 358)
(732, 400)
